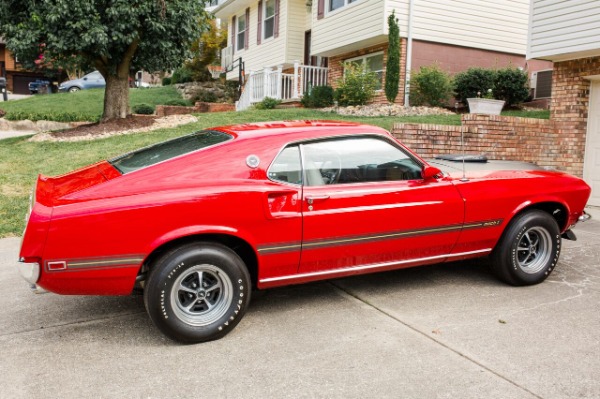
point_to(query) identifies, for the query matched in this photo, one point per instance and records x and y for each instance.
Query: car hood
(490, 169)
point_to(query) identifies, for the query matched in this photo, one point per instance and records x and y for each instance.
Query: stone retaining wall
(200, 107)
(499, 137)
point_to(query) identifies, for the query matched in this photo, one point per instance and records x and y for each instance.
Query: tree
(207, 51)
(392, 67)
(117, 37)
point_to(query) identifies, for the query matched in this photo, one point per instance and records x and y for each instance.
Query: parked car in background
(39, 85)
(93, 80)
(199, 221)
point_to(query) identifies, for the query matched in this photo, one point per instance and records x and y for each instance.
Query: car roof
(307, 128)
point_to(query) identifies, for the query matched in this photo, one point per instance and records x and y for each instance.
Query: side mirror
(84, 78)
(430, 172)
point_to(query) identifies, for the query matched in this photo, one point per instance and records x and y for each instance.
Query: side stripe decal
(323, 243)
(98, 263)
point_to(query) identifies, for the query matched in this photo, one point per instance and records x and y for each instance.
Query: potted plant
(487, 105)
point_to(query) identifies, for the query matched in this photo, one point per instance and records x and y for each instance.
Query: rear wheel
(197, 292)
(528, 250)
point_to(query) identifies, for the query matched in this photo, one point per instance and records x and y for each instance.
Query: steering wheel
(331, 170)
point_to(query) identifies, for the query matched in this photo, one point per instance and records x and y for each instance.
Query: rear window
(168, 149)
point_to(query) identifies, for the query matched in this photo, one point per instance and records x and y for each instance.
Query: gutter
(411, 8)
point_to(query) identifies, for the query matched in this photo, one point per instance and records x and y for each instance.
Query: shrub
(392, 75)
(511, 85)
(267, 103)
(206, 97)
(143, 108)
(177, 102)
(430, 86)
(357, 87)
(50, 116)
(472, 81)
(166, 81)
(181, 75)
(318, 97)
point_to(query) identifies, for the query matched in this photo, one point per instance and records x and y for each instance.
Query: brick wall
(336, 70)
(499, 137)
(570, 103)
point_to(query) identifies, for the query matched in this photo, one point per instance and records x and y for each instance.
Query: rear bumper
(30, 271)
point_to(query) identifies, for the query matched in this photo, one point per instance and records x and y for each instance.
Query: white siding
(564, 29)
(355, 26)
(295, 25)
(499, 25)
(272, 52)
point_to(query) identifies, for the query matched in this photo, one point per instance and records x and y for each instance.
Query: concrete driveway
(449, 331)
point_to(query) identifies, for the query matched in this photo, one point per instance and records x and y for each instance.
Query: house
(568, 34)
(17, 80)
(288, 36)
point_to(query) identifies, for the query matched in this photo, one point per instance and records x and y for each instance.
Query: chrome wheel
(534, 250)
(201, 295)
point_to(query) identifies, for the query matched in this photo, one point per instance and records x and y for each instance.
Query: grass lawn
(21, 161)
(84, 105)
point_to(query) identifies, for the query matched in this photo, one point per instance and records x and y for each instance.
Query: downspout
(411, 5)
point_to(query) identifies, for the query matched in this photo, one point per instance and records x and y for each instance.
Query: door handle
(314, 198)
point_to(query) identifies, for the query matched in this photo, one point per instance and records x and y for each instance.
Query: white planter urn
(485, 106)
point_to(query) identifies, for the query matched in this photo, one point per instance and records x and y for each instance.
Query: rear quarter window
(166, 150)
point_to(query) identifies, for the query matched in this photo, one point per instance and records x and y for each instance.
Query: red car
(200, 221)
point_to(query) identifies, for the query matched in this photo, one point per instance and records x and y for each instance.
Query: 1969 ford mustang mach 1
(200, 221)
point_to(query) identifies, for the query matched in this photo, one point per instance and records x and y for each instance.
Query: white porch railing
(282, 86)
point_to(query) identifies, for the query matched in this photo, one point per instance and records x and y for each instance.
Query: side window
(286, 167)
(357, 160)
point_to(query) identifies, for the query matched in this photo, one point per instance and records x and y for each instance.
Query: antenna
(462, 146)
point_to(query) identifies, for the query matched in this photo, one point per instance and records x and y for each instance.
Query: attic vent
(543, 84)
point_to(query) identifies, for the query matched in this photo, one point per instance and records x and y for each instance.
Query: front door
(591, 165)
(365, 206)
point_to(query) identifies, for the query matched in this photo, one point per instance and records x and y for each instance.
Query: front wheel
(198, 292)
(74, 89)
(528, 250)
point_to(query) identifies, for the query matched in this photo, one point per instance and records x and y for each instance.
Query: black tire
(73, 89)
(187, 312)
(528, 250)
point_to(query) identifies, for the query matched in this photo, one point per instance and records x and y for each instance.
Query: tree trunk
(116, 97)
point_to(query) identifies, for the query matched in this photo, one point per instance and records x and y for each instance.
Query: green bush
(474, 82)
(511, 85)
(318, 97)
(430, 86)
(392, 74)
(143, 108)
(181, 75)
(267, 103)
(50, 116)
(166, 81)
(357, 87)
(206, 97)
(178, 102)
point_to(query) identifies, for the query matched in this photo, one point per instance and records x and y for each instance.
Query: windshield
(168, 149)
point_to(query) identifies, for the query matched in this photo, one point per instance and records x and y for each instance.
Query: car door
(366, 206)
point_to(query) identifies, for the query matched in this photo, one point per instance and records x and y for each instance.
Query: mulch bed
(100, 128)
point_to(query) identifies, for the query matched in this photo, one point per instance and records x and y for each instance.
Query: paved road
(448, 331)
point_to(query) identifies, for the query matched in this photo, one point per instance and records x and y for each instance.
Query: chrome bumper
(30, 271)
(584, 217)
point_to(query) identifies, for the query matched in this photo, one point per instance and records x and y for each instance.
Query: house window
(371, 63)
(269, 22)
(337, 4)
(241, 32)
(214, 3)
